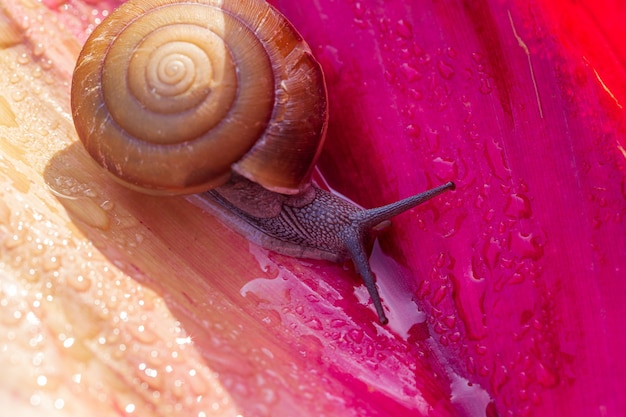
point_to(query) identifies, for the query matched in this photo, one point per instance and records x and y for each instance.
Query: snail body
(222, 98)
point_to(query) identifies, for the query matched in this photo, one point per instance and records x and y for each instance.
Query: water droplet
(78, 282)
(150, 375)
(445, 170)
(485, 86)
(358, 10)
(468, 298)
(107, 205)
(445, 70)
(42, 380)
(46, 64)
(526, 245)
(18, 96)
(23, 59)
(416, 94)
(523, 379)
(496, 159)
(356, 335)
(545, 377)
(481, 349)
(338, 323)
(492, 250)
(50, 263)
(14, 240)
(449, 321)
(455, 337)
(470, 365)
(412, 130)
(424, 289)
(439, 294)
(404, 29)
(38, 50)
(143, 334)
(477, 57)
(441, 260)
(438, 328)
(516, 278)
(59, 403)
(409, 72)
(518, 206)
(315, 324)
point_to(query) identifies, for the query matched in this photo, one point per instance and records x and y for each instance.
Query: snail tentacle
(326, 227)
(354, 241)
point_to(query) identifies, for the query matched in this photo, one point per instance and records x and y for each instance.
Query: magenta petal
(522, 269)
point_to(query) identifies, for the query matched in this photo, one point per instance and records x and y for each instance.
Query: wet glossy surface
(511, 287)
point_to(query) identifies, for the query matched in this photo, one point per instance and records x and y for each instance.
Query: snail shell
(170, 97)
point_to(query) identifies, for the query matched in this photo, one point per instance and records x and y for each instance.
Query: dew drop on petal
(445, 70)
(78, 282)
(445, 170)
(526, 245)
(518, 206)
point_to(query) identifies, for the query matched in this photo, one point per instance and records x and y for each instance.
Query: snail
(224, 98)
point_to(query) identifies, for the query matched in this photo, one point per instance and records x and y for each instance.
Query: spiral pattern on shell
(172, 96)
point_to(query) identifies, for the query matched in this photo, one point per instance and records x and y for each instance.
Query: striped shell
(171, 97)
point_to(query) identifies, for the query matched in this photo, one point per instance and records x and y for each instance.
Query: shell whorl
(171, 96)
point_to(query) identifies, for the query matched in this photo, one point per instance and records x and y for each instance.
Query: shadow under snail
(222, 97)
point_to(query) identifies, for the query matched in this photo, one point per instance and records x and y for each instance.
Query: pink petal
(521, 270)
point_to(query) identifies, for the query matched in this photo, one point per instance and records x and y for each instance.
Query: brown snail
(222, 97)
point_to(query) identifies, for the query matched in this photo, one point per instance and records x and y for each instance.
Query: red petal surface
(522, 270)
